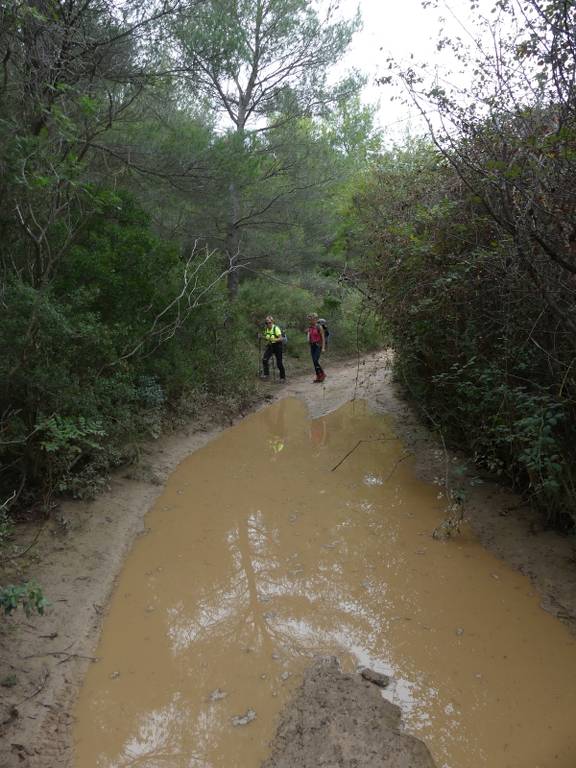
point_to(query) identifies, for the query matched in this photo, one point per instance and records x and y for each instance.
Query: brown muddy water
(260, 555)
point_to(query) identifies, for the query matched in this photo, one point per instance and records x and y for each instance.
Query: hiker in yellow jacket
(273, 337)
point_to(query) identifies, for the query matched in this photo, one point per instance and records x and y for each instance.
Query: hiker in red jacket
(317, 341)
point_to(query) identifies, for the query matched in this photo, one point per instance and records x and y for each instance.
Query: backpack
(284, 336)
(322, 322)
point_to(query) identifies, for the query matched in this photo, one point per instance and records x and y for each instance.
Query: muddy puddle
(262, 553)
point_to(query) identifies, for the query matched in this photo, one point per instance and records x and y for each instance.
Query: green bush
(27, 596)
(477, 345)
(96, 359)
(351, 324)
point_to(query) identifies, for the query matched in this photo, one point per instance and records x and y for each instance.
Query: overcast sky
(400, 28)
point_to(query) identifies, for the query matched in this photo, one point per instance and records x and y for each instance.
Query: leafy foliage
(27, 596)
(477, 343)
(96, 358)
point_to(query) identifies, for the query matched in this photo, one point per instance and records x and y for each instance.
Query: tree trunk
(233, 244)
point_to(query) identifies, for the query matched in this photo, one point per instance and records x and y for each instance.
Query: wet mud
(287, 538)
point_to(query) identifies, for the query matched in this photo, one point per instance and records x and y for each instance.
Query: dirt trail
(80, 554)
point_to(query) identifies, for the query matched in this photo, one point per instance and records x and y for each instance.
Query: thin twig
(398, 461)
(357, 353)
(375, 440)
(29, 547)
(37, 691)
(48, 653)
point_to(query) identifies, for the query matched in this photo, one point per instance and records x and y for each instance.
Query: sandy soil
(80, 552)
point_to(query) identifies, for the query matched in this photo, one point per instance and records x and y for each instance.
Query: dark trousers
(276, 350)
(316, 351)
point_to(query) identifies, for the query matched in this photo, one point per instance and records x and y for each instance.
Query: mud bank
(80, 555)
(340, 720)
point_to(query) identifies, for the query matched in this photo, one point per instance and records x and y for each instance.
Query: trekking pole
(260, 355)
(274, 369)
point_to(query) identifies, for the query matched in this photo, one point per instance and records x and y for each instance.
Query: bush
(94, 360)
(27, 596)
(351, 324)
(477, 344)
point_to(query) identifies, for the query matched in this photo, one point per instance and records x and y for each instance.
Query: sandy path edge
(78, 566)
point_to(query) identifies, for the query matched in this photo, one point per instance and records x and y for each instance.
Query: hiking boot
(317, 380)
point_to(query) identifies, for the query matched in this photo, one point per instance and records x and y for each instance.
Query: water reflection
(261, 555)
(274, 418)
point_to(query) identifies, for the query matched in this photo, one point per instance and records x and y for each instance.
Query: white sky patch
(403, 29)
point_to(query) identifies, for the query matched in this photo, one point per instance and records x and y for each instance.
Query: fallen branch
(375, 440)
(37, 691)
(28, 548)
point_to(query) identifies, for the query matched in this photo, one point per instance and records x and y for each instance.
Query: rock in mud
(244, 719)
(217, 695)
(382, 681)
(342, 721)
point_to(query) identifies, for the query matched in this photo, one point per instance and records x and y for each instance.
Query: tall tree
(264, 64)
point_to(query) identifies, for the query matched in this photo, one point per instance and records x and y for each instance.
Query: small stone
(244, 719)
(217, 695)
(459, 631)
(285, 675)
(382, 681)
(276, 656)
(114, 675)
(263, 676)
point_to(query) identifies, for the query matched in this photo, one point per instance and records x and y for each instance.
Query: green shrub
(27, 596)
(351, 324)
(95, 360)
(477, 345)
